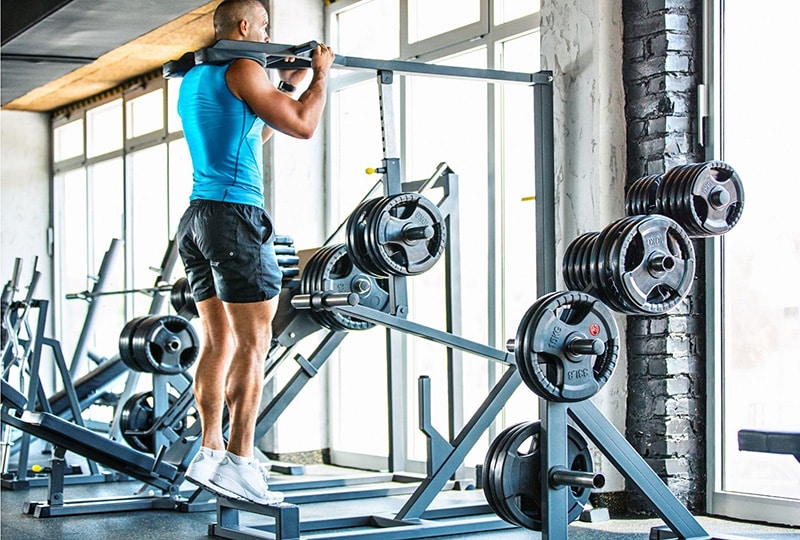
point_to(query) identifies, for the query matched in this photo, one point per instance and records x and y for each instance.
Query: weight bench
(65, 435)
(770, 442)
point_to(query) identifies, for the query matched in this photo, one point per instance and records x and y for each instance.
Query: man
(225, 238)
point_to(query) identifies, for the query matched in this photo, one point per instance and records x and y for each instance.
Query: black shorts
(227, 251)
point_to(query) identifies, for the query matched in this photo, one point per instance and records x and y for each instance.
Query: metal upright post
(545, 187)
(88, 323)
(398, 290)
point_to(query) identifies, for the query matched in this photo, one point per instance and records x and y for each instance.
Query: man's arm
(298, 118)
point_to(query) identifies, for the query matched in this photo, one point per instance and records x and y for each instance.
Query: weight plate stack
(575, 266)
(166, 344)
(512, 482)
(566, 346)
(638, 265)
(331, 269)
(707, 199)
(126, 352)
(182, 299)
(286, 255)
(400, 235)
(356, 238)
(640, 198)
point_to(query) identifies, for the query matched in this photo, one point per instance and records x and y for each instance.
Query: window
(104, 129)
(428, 19)
(760, 309)
(145, 114)
(68, 140)
(111, 190)
(470, 134)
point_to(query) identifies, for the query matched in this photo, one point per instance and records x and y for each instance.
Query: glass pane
(147, 219)
(360, 361)
(68, 140)
(508, 10)
(145, 114)
(106, 197)
(761, 308)
(370, 29)
(104, 128)
(173, 118)
(427, 19)
(438, 131)
(73, 246)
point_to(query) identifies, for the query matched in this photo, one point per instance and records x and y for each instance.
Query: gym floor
(166, 524)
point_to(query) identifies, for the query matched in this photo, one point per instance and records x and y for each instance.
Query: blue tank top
(224, 138)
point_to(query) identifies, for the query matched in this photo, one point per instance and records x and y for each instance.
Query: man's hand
(322, 58)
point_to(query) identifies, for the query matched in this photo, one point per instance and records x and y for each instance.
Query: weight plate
(166, 344)
(717, 198)
(655, 265)
(512, 476)
(137, 418)
(545, 340)
(395, 234)
(331, 269)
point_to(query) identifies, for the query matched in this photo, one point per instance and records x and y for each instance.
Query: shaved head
(230, 13)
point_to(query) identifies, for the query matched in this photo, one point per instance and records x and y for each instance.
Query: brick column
(665, 418)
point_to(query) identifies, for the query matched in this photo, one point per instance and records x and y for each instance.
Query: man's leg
(216, 352)
(251, 325)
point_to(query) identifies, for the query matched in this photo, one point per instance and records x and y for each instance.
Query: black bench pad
(96, 447)
(772, 442)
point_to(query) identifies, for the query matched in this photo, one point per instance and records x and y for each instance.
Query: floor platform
(15, 525)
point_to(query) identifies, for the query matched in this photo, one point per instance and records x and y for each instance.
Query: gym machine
(379, 234)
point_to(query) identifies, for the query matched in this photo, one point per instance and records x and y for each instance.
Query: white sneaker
(245, 480)
(202, 467)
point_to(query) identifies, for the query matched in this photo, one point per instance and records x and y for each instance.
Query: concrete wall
(25, 204)
(582, 45)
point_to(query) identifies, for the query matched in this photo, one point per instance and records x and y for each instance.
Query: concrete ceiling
(56, 52)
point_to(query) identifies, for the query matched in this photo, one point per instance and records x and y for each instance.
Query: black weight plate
(404, 256)
(166, 344)
(523, 346)
(514, 474)
(493, 482)
(546, 365)
(137, 417)
(621, 301)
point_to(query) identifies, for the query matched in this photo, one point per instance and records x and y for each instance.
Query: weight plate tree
(566, 346)
(400, 235)
(706, 199)
(332, 270)
(512, 479)
(637, 265)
